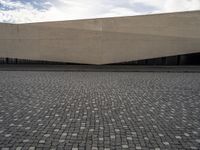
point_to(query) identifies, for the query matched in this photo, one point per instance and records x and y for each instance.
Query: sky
(26, 11)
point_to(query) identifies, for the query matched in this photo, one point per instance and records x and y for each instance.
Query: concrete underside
(104, 40)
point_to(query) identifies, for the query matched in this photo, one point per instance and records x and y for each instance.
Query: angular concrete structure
(104, 40)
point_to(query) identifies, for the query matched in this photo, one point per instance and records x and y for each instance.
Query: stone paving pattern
(99, 110)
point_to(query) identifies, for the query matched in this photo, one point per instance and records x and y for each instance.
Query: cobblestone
(99, 110)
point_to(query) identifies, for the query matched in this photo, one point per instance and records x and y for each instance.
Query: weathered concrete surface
(104, 40)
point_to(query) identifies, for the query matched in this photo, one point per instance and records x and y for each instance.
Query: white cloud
(18, 12)
(172, 5)
(178, 5)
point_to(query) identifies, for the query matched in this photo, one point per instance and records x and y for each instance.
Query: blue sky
(24, 11)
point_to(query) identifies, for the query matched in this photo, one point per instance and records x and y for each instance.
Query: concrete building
(137, 39)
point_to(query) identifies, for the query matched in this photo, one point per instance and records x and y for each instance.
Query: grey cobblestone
(99, 110)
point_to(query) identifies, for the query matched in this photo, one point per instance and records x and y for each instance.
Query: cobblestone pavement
(99, 110)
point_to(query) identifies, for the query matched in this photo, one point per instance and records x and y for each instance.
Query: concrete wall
(104, 40)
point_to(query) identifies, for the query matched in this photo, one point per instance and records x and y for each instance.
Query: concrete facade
(103, 40)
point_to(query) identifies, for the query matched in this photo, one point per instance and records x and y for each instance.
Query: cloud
(24, 11)
(16, 11)
(177, 5)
